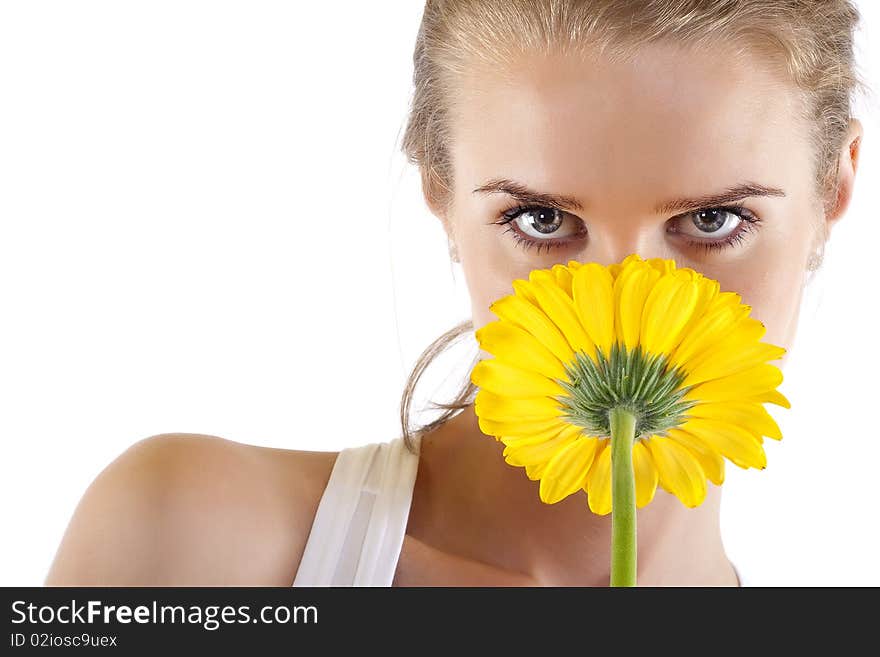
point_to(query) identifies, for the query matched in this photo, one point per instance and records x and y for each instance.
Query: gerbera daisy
(681, 361)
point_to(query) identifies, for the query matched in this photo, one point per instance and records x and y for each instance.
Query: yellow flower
(575, 341)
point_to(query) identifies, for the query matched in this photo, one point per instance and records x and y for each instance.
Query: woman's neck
(469, 502)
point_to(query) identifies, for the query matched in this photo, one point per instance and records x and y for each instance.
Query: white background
(206, 226)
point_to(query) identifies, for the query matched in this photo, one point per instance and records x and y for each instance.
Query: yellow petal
(615, 268)
(566, 472)
(506, 379)
(680, 472)
(733, 442)
(501, 408)
(561, 310)
(668, 308)
(746, 414)
(563, 278)
(661, 265)
(592, 289)
(729, 299)
(707, 291)
(512, 344)
(599, 480)
(645, 473)
(519, 311)
(510, 431)
(745, 332)
(730, 360)
(535, 471)
(719, 319)
(523, 289)
(741, 385)
(540, 452)
(542, 275)
(712, 461)
(631, 288)
(563, 425)
(771, 397)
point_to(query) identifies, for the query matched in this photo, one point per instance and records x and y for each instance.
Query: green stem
(623, 499)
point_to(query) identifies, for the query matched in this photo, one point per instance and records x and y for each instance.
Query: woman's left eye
(715, 228)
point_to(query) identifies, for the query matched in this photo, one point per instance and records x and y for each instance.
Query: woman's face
(626, 145)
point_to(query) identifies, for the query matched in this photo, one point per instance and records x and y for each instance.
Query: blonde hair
(810, 42)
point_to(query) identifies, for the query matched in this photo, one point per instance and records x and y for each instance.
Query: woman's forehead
(665, 116)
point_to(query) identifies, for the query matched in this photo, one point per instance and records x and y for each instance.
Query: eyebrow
(527, 196)
(729, 195)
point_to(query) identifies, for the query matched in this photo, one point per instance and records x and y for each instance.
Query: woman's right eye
(542, 226)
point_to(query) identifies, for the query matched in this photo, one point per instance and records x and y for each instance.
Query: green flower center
(640, 382)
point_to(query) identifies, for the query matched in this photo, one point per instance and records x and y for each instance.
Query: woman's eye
(542, 223)
(542, 227)
(716, 228)
(714, 223)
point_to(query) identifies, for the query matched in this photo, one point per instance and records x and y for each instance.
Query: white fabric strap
(360, 523)
(392, 485)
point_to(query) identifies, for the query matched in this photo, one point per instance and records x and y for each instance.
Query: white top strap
(360, 523)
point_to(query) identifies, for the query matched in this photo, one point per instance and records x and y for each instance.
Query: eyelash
(749, 223)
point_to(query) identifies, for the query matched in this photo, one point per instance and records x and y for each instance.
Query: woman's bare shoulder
(183, 509)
